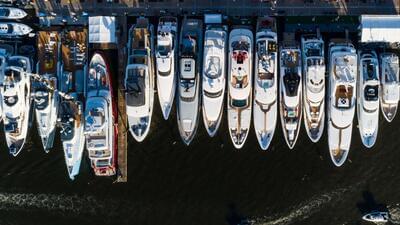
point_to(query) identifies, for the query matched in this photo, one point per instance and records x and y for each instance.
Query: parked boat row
(197, 71)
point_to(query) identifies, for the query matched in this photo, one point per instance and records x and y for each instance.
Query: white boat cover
(102, 29)
(380, 28)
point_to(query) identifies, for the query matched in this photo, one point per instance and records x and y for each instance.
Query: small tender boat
(166, 54)
(46, 101)
(240, 75)
(377, 217)
(100, 118)
(139, 79)
(389, 77)
(214, 73)
(290, 93)
(368, 97)
(12, 13)
(313, 85)
(341, 98)
(11, 29)
(265, 104)
(16, 102)
(71, 112)
(188, 99)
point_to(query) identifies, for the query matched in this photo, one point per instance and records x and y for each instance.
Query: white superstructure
(12, 13)
(389, 78)
(11, 29)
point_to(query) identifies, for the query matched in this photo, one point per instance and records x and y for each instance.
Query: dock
(122, 172)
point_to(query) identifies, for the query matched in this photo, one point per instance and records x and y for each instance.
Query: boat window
(10, 28)
(371, 92)
(4, 12)
(189, 46)
(239, 103)
(135, 87)
(369, 69)
(102, 163)
(292, 81)
(164, 50)
(240, 45)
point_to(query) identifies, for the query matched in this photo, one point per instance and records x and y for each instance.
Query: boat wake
(394, 212)
(305, 209)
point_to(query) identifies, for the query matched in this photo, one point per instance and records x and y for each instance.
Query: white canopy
(380, 28)
(102, 29)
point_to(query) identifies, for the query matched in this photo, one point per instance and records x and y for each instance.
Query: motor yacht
(100, 117)
(16, 102)
(290, 97)
(11, 29)
(377, 217)
(368, 97)
(46, 101)
(71, 110)
(389, 77)
(139, 79)
(312, 48)
(12, 13)
(265, 104)
(240, 79)
(166, 55)
(5, 51)
(188, 99)
(341, 98)
(214, 76)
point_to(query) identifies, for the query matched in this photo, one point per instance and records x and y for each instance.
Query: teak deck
(77, 37)
(48, 51)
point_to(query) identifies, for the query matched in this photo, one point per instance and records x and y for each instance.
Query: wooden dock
(122, 173)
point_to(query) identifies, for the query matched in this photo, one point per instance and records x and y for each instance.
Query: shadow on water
(369, 204)
(234, 217)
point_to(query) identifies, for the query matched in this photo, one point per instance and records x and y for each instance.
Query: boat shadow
(369, 204)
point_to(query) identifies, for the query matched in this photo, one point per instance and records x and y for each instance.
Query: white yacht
(214, 76)
(265, 104)
(100, 118)
(389, 77)
(341, 98)
(240, 75)
(5, 51)
(166, 55)
(71, 111)
(377, 217)
(11, 29)
(12, 13)
(290, 97)
(16, 102)
(368, 97)
(46, 101)
(139, 79)
(312, 47)
(188, 99)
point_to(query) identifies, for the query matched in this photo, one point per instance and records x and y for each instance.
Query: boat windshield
(369, 69)
(371, 92)
(314, 49)
(102, 163)
(188, 46)
(4, 12)
(164, 50)
(241, 103)
(291, 81)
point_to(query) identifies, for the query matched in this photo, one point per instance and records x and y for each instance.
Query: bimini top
(102, 29)
(380, 28)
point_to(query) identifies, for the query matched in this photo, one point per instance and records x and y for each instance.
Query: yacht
(341, 98)
(368, 97)
(46, 101)
(11, 29)
(389, 77)
(213, 79)
(71, 111)
(240, 73)
(16, 102)
(377, 217)
(100, 118)
(265, 104)
(188, 99)
(290, 97)
(166, 54)
(139, 79)
(12, 13)
(312, 48)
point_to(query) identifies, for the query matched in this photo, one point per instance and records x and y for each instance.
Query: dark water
(209, 182)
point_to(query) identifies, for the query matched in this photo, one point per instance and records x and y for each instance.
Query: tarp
(102, 29)
(380, 28)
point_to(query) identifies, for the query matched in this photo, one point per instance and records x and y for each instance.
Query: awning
(380, 28)
(102, 29)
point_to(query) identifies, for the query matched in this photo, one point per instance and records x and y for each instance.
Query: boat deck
(48, 51)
